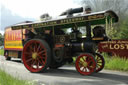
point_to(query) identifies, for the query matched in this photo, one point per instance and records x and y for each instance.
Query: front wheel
(36, 55)
(85, 64)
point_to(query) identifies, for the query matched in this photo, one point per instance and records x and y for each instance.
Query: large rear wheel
(36, 55)
(85, 64)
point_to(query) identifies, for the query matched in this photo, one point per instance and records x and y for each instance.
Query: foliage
(1, 52)
(119, 6)
(123, 34)
(6, 79)
(112, 33)
(1, 39)
(115, 63)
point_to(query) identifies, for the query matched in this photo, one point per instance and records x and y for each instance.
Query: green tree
(123, 34)
(1, 39)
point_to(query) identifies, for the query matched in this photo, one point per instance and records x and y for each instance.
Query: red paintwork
(59, 45)
(37, 64)
(116, 47)
(16, 49)
(89, 60)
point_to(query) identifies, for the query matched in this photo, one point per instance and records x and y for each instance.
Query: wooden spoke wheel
(85, 64)
(36, 55)
(100, 62)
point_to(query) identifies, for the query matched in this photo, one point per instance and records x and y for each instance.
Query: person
(99, 31)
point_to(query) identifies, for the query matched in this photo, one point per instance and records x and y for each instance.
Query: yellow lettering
(111, 46)
(122, 46)
(116, 46)
(126, 46)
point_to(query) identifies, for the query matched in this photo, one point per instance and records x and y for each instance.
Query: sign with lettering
(13, 39)
(118, 47)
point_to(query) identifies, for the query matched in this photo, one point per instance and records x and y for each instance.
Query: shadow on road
(75, 74)
(17, 61)
(111, 76)
(71, 73)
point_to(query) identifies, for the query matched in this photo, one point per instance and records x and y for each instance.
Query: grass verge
(1, 51)
(6, 79)
(116, 63)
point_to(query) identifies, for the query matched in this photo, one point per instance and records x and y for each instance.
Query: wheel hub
(34, 55)
(85, 64)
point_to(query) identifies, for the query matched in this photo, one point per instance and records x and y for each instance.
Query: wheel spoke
(42, 59)
(34, 49)
(43, 62)
(29, 60)
(88, 59)
(81, 62)
(83, 69)
(35, 45)
(89, 62)
(41, 52)
(99, 62)
(90, 67)
(27, 53)
(80, 65)
(83, 59)
(38, 48)
(98, 58)
(37, 63)
(33, 63)
(40, 62)
(31, 49)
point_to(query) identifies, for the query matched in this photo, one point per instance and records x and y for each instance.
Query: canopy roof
(66, 22)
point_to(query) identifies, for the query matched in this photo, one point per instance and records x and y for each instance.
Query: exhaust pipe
(72, 11)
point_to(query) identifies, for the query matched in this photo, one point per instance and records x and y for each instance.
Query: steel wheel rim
(100, 62)
(83, 68)
(34, 56)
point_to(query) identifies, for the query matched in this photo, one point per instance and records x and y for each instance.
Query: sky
(34, 8)
(15, 11)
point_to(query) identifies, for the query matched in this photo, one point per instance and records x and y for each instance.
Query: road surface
(66, 75)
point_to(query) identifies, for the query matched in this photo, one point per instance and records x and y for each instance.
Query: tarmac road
(66, 75)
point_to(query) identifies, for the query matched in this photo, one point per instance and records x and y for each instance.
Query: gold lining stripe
(101, 38)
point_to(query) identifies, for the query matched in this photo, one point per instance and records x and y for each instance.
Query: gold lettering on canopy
(60, 22)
